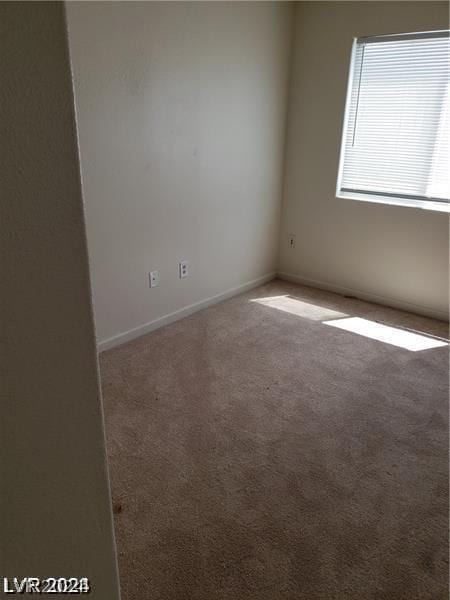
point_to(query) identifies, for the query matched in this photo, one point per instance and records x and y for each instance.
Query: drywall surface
(181, 109)
(396, 253)
(55, 515)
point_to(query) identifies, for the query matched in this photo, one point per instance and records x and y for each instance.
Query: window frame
(393, 199)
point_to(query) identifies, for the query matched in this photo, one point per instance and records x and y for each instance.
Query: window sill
(409, 203)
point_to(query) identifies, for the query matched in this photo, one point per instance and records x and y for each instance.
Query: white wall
(55, 514)
(399, 255)
(181, 110)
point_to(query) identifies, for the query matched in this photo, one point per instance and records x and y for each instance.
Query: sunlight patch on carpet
(315, 312)
(389, 335)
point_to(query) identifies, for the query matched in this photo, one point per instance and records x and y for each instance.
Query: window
(395, 143)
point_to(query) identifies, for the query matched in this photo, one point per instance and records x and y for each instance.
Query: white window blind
(395, 144)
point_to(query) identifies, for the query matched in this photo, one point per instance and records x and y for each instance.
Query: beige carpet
(257, 453)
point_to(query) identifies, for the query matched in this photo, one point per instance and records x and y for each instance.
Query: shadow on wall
(395, 336)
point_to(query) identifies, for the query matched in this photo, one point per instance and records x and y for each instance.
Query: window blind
(396, 129)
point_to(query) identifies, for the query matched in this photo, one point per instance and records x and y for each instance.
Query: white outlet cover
(153, 278)
(184, 269)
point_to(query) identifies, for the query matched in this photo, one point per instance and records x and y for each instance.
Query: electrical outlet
(291, 240)
(184, 269)
(153, 279)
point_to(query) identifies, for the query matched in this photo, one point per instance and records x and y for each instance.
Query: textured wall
(397, 253)
(181, 109)
(55, 517)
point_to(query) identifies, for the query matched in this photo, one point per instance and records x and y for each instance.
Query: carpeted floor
(260, 454)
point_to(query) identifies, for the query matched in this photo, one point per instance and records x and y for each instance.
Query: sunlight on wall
(298, 307)
(389, 335)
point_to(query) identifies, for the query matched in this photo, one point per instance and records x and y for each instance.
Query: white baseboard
(340, 289)
(131, 334)
(127, 336)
